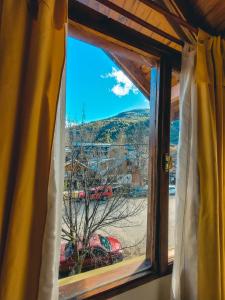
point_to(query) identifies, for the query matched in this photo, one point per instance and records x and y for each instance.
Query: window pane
(106, 161)
(174, 136)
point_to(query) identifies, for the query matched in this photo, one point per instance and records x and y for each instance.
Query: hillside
(119, 128)
(123, 128)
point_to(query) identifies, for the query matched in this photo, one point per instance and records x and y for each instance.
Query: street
(132, 231)
(133, 238)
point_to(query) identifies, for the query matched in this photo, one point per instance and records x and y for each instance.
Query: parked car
(74, 195)
(139, 191)
(102, 251)
(97, 193)
(172, 190)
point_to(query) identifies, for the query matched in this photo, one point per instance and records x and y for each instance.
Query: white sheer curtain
(48, 285)
(184, 278)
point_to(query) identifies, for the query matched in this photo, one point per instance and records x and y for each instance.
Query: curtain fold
(210, 80)
(48, 282)
(32, 51)
(199, 266)
(185, 262)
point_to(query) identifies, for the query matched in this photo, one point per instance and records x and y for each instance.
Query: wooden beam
(171, 5)
(193, 16)
(175, 97)
(109, 44)
(167, 13)
(164, 99)
(159, 179)
(183, 33)
(140, 21)
(86, 16)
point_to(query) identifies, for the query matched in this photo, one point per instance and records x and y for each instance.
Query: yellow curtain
(210, 79)
(32, 50)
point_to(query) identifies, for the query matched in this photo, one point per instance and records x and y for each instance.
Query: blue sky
(96, 85)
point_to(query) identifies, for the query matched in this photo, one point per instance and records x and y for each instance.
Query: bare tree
(87, 166)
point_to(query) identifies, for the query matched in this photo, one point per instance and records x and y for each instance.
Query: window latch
(167, 162)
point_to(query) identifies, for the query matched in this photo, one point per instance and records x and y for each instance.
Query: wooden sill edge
(75, 278)
(95, 279)
(108, 281)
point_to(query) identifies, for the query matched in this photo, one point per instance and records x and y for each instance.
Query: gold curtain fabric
(32, 51)
(210, 79)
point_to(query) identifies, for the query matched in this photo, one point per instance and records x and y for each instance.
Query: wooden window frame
(157, 222)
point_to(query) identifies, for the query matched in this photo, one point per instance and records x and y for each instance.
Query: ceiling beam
(109, 44)
(194, 16)
(86, 16)
(140, 21)
(167, 13)
(182, 32)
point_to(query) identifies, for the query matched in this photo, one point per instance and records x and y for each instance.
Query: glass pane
(174, 137)
(106, 162)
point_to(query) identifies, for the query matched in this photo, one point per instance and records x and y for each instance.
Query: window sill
(90, 283)
(108, 281)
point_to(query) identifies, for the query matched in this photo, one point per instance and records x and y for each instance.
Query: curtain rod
(169, 14)
(141, 22)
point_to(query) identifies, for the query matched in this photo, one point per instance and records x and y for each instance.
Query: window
(104, 165)
(107, 157)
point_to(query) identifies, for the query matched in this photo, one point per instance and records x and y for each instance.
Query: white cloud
(123, 84)
(147, 101)
(69, 123)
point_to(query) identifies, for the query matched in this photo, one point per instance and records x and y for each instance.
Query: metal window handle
(167, 162)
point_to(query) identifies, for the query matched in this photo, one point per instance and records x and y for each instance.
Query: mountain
(114, 129)
(128, 126)
(135, 113)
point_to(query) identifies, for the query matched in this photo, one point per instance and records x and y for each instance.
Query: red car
(98, 193)
(102, 251)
